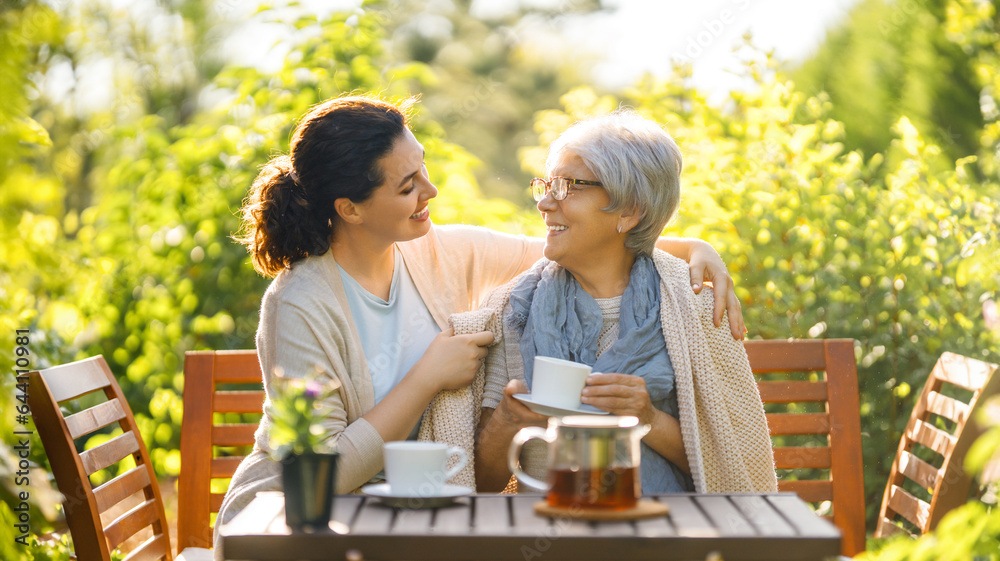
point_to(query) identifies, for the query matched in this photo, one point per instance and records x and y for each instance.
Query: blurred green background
(854, 194)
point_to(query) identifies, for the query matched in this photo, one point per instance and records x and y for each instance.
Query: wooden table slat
(655, 527)
(345, 508)
(763, 516)
(526, 521)
(413, 521)
(800, 516)
(727, 518)
(688, 518)
(613, 528)
(454, 520)
(374, 518)
(491, 516)
(267, 507)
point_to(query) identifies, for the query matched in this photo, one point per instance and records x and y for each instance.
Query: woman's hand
(705, 264)
(497, 428)
(619, 394)
(513, 413)
(451, 361)
(622, 394)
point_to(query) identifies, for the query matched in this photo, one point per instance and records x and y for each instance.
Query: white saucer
(551, 411)
(447, 496)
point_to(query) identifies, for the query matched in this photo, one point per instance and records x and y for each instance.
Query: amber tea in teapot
(593, 461)
(612, 488)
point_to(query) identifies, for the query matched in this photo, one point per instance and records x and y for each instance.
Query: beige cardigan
(721, 415)
(306, 325)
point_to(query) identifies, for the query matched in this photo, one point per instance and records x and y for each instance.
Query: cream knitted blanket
(722, 419)
(453, 415)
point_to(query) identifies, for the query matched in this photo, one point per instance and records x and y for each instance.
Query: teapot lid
(599, 421)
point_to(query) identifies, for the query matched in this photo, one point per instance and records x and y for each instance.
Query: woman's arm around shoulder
(705, 264)
(494, 258)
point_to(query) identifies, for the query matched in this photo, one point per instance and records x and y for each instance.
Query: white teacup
(420, 469)
(558, 383)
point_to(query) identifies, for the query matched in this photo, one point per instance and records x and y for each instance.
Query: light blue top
(394, 334)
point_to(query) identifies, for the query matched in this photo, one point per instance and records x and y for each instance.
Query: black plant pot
(308, 480)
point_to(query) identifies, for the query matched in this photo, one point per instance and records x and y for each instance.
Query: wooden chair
(204, 371)
(84, 504)
(828, 381)
(947, 483)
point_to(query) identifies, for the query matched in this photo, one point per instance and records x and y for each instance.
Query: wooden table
(769, 527)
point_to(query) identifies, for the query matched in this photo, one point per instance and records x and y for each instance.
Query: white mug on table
(420, 469)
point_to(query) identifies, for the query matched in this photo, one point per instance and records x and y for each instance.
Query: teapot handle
(514, 456)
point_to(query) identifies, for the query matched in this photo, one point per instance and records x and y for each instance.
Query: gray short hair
(639, 164)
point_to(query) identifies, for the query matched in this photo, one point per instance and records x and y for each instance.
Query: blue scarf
(557, 318)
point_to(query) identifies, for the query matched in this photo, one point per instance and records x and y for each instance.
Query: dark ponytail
(335, 152)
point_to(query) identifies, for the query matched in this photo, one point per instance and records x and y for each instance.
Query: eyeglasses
(558, 186)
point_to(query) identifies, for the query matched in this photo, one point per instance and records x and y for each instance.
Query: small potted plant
(297, 409)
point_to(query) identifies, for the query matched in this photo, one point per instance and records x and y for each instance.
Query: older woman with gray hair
(604, 296)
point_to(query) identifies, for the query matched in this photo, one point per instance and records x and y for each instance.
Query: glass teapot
(593, 461)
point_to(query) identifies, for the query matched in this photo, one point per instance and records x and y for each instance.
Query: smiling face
(581, 236)
(397, 210)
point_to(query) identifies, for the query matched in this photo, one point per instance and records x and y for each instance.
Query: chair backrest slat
(233, 435)
(946, 484)
(932, 437)
(901, 501)
(235, 367)
(109, 453)
(121, 487)
(832, 385)
(921, 472)
(792, 392)
(809, 491)
(783, 424)
(786, 356)
(97, 417)
(223, 468)
(152, 550)
(947, 407)
(72, 470)
(967, 373)
(204, 372)
(70, 381)
(237, 402)
(128, 524)
(802, 457)
(884, 528)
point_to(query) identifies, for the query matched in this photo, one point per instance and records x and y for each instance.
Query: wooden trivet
(643, 509)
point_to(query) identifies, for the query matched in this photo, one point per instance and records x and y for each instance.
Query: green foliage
(910, 66)
(487, 80)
